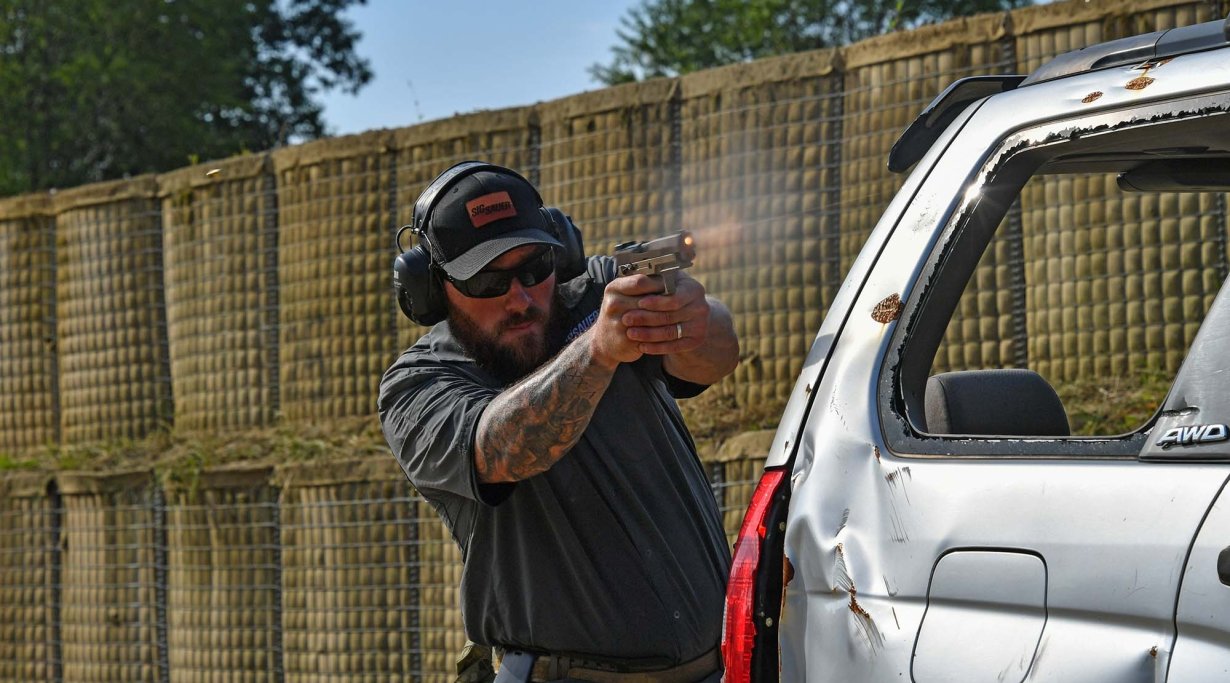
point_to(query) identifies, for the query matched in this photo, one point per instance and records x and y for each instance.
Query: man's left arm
(694, 332)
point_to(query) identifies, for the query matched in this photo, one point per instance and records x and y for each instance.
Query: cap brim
(465, 266)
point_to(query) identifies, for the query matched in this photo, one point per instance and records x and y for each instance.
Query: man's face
(512, 334)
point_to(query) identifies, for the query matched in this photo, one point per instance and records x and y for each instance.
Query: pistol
(662, 258)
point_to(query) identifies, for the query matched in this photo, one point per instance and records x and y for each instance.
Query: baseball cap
(482, 216)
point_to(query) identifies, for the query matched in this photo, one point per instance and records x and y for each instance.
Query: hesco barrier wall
(29, 395)
(761, 157)
(610, 160)
(254, 294)
(256, 291)
(220, 224)
(335, 314)
(325, 571)
(111, 336)
(223, 573)
(30, 588)
(111, 576)
(890, 82)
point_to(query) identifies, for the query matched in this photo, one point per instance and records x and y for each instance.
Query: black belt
(512, 665)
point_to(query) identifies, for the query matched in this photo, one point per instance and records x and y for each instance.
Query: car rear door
(932, 556)
(1193, 427)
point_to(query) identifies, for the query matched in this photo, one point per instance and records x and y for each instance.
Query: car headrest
(994, 403)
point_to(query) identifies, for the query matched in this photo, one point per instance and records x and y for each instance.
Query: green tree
(97, 89)
(673, 37)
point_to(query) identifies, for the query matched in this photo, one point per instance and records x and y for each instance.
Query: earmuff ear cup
(570, 261)
(420, 294)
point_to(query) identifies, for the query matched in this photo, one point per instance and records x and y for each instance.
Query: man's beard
(510, 362)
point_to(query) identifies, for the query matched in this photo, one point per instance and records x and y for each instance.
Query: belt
(548, 667)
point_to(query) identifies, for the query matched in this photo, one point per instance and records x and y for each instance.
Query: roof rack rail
(943, 110)
(1135, 50)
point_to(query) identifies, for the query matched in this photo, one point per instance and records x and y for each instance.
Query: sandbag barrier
(111, 336)
(29, 392)
(256, 291)
(327, 571)
(220, 222)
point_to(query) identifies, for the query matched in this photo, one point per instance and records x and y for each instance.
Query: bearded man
(539, 420)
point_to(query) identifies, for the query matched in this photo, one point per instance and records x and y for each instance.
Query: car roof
(1142, 49)
(1135, 50)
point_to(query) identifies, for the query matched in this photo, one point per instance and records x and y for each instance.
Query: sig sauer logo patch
(490, 207)
(1193, 435)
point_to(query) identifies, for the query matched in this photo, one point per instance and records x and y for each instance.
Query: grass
(1113, 405)
(1099, 406)
(179, 457)
(716, 416)
(10, 463)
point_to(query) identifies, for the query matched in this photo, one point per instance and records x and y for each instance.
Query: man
(539, 421)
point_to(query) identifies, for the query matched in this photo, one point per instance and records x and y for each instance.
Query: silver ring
(678, 330)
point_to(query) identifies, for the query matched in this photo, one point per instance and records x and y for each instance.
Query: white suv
(916, 525)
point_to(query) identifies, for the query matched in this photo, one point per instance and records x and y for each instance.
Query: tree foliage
(96, 89)
(673, 37)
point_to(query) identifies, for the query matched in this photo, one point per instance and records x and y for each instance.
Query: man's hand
(636, 319)
(664, 324)
(694, 332)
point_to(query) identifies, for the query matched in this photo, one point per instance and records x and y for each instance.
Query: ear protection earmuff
(416, 277)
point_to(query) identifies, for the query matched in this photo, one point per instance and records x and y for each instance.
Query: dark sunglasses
(488, 284)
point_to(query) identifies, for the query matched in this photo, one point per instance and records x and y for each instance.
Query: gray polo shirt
(617, 551)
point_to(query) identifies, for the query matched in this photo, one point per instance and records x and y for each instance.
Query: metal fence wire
(255, 291)
(336, 572)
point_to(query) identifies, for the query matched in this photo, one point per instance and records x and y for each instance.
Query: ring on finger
(678, 330)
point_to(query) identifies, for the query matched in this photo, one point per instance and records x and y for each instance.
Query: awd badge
(1193, 435)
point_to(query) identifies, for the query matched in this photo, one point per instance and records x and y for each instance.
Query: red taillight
(739, 630)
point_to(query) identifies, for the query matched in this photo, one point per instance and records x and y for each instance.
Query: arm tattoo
(532, 424)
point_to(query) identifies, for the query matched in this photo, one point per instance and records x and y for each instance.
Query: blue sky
(436, 58)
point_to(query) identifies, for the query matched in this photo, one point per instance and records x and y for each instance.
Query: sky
(432, 59)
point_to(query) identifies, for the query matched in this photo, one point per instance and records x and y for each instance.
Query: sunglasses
(488, 284)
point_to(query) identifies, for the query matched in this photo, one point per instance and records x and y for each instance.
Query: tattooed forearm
(530, 426)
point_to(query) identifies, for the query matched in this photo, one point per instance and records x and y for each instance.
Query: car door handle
(1223, 565)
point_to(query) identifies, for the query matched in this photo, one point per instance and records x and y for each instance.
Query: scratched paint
(896, 480)
(845, 519)
(864, 625)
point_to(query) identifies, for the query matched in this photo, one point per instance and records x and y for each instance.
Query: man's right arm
(532, 424)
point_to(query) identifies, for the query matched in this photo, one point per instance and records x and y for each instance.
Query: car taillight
(739, 629)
